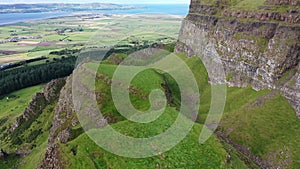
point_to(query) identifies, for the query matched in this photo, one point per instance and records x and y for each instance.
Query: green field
(42, 37)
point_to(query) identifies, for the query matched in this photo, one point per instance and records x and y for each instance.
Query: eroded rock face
(291, 90)
(60, 131)
(39, 101)
(63, 112)
(253, 51)
(65, 118)
(51, 159)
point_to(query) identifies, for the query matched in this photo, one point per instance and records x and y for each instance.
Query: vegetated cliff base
(258, 41)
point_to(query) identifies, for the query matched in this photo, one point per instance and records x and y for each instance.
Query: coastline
(157, 9)
(50, 16)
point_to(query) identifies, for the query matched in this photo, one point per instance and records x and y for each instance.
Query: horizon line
(94, 3)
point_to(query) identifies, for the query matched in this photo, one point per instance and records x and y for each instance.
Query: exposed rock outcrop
(60, 131)
(256, 47)
(289, 17)
(39, 101)
(51, 159)
(271, 11)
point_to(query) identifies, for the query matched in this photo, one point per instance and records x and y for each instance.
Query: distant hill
(61, 7)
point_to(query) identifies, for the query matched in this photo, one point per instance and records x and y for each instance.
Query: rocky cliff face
(39, 101)
(63, 120)
(259, 44)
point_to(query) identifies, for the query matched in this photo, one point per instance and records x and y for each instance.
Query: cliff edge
(257, 41)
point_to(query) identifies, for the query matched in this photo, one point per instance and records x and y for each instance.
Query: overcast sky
(100, 1)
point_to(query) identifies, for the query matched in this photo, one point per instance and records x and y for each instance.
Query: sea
(164, 9)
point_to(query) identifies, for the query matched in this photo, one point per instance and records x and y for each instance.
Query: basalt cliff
(258, 42)
(259, 46)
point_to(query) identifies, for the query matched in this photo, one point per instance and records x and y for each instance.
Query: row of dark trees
(16, 78)
(26, 76)
(17, 64)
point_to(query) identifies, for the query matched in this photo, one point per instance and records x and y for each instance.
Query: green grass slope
(82, 152)
(12, 106)
(261, 121)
